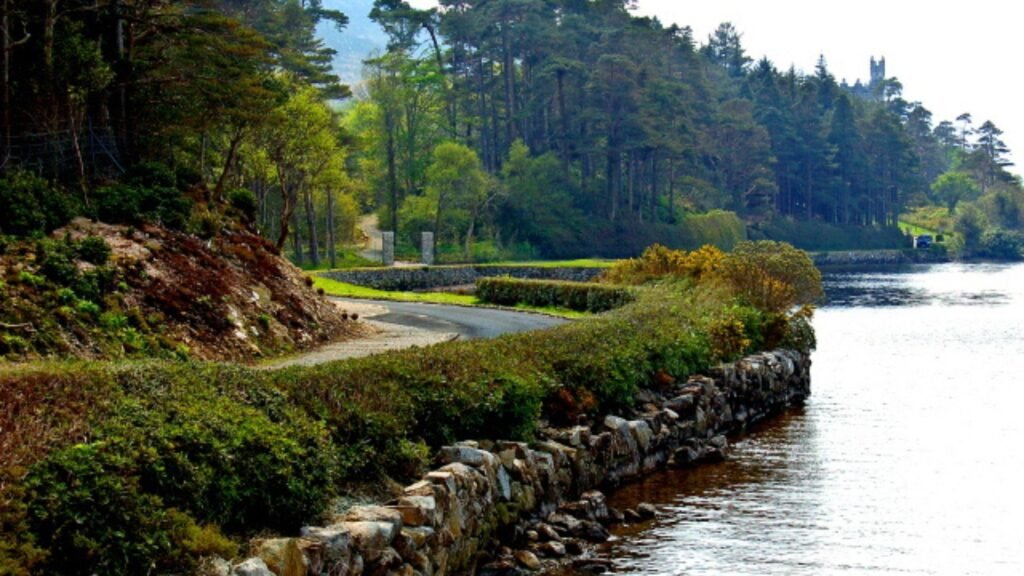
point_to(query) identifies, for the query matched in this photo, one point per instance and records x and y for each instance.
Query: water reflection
(946, 285)
(904, 461)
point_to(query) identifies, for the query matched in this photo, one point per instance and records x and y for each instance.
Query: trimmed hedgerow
(579, 296)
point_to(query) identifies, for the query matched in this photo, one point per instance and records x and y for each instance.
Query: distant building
(873, 90)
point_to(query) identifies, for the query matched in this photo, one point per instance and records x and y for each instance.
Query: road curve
(468, 323)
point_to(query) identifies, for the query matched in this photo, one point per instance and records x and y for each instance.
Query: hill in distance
(355, 42)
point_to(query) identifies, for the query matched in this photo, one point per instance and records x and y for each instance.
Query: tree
(993, 153)
(725, 48)
(952, 188)
(457, 187)
(970, 224)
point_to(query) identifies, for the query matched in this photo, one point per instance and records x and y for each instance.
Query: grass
(346, 290)
(928, 220)
(347, 258)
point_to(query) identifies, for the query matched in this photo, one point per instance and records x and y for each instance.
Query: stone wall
(869, 259)
(486, 498)
(427, 278)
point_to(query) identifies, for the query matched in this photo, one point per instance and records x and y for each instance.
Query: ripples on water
(906, 460)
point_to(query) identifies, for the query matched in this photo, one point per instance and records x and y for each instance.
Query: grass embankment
(135, 468)
(346, 290)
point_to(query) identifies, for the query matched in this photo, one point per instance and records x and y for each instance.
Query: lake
(907, 459)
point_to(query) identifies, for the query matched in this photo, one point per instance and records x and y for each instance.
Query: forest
(512, 128)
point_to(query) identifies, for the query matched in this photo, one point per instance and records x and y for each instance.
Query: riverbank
(492, 507)
(869, 259)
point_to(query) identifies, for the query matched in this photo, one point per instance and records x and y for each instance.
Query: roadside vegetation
(346, 290)
(137, 467)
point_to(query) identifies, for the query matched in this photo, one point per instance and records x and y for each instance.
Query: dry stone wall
(495, 507)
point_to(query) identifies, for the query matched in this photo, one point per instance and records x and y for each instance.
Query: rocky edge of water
(504, 508)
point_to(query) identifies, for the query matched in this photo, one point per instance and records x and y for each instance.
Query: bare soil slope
(160, 292)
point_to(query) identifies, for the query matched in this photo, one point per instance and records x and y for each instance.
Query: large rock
(527, 559)
(290, 556)
(253, 567)
(418, 510)
(371, 538)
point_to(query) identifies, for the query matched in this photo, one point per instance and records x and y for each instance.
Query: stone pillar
(427, 248)
(388, 239)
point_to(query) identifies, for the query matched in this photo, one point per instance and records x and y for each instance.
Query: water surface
(907, 459)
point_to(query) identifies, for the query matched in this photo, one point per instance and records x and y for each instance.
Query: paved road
(468, 323)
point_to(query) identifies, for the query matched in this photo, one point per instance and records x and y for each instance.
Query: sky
(952, 57)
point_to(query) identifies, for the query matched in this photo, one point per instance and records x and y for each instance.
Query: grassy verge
(347, 258)
(346, 290)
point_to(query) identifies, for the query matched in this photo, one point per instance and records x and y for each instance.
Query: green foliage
(952, 188)
(88, 511)
(243, 200)
(577, 296)
(93, 250)
(970, 224)
(176, 448)
(657, 262)
(31, 205)
(1000, 244)
(821, 236)
(717, 228)
(137, 203)
(772, 276)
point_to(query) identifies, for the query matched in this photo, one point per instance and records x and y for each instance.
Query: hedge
(582, 297)
(123, 469)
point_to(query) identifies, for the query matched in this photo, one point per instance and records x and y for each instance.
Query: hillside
(94, 290)
(355, 42)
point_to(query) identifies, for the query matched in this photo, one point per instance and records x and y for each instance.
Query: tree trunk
(236, 141)
(672, 192)
(332, 241)
(654, 188)
(297, 241)
(509, 71)
(314, 249)
(287, 207)
(77, 148)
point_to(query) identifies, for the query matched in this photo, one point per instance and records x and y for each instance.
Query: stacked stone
(501, 507)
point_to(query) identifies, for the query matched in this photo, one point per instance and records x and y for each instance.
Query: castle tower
(877, 71)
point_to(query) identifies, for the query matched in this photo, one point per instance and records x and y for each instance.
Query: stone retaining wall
(866, 259)
(427, 278)
(488, 496)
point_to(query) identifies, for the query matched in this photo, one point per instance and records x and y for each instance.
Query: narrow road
(468, 323)
(401, 325)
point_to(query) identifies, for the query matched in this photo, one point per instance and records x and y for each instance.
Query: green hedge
(136, 467)
(582, 297)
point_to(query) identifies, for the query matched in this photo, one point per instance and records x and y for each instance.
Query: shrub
(94, 250)
(658, 262)
(31, 205)
(244, 201)
(583, 297)
(1001, 244)
(134, 204)
(772, 276)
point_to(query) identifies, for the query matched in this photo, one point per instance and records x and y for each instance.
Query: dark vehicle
(923, 242)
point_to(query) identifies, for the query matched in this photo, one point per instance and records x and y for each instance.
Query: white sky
(953, 57)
